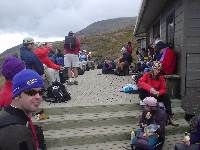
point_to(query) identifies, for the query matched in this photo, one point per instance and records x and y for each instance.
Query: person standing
(129, 47)
(30, 59)
(71, 59)
(50, 68)
(16, 129)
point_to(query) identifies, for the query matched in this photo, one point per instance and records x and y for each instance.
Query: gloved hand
(154, 92)
(62, 68)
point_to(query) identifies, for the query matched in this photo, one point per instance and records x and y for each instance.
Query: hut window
(170, 22)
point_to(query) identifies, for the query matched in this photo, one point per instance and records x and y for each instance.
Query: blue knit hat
(161, 45)
(26, 80)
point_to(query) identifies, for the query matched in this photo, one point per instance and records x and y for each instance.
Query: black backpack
(80, 71)
(70, 43)
(57, 93)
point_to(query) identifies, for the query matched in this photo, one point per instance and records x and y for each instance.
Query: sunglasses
(34, 92)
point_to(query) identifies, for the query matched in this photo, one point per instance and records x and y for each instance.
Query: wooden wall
(186, 46)
(191, 99)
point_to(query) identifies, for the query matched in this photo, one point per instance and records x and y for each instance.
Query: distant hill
(103, 38)
(108, 26)
(105, 44)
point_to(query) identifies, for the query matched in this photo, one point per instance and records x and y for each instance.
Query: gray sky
(52, 19)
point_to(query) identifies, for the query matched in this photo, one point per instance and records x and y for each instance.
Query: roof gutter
(141, 13)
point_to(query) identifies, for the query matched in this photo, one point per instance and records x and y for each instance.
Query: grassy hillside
(108, 25)
(1, 81)
(105, 44)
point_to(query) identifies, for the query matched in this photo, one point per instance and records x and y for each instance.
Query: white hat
(28, 40)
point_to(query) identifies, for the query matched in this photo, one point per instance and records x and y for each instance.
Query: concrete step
(60, 108)
(170, 141)
(95, 119)
(115, 145)
(102, 134)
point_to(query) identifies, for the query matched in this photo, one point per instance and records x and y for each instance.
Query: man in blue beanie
(16, 129)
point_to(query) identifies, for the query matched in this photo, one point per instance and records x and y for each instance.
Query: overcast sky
(50, 20)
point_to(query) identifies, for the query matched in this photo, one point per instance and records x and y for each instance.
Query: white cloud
(55, 18)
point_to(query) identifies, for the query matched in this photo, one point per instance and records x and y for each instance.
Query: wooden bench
(173, 85)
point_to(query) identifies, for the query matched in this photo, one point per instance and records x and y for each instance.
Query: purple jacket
(195, 134)
(159, 118)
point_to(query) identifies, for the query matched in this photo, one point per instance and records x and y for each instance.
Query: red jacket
(6, 94)
(76, 51)
(42, 54)
(169, 62)
(146, 82)
(129, 49)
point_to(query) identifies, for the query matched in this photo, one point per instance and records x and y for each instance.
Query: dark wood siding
(193, 71)
(178, 9)
(192, 26)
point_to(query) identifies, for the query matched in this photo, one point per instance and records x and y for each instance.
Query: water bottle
(132, 134)
(187, 138)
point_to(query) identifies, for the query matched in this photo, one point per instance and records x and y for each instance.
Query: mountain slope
(108, 26)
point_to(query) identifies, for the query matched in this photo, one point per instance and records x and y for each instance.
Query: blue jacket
(127, 57)
(31, 60)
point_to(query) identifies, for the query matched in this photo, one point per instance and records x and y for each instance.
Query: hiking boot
(171, 121)
(142, 103)
(70, 83)
(76, 82)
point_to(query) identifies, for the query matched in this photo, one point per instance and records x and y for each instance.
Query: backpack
(80, 71)
(144, 142)
(70, 43)
(58, 93)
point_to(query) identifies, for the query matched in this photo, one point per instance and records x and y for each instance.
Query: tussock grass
(1, 81)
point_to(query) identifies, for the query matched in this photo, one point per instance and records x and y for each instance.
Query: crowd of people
(26, 80)
(121, 65)
(25, 84)
(152, 65)
(158, 51)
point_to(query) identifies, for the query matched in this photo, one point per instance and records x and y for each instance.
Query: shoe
(76, 82)
(142, 103)
(70, 83)
(171, 122)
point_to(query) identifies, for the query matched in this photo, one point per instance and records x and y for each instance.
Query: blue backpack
(129, 88)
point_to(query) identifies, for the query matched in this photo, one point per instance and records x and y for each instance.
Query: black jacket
(14, 133)
(31, 60)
